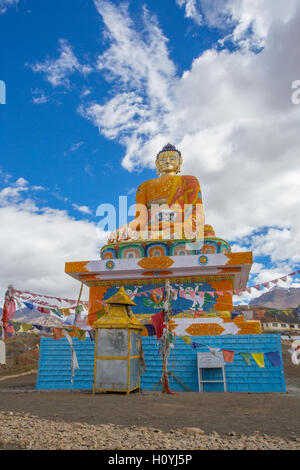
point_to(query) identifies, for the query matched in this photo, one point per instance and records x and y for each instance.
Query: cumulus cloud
(83, 209)
(35, 243)
(192, 9)
(5, 4)
(57, 71)
(39, 97)
(247, 22)
(139, 63)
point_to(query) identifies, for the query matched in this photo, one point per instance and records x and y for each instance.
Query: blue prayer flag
(274, 358)
(151, 330)
(28, 305)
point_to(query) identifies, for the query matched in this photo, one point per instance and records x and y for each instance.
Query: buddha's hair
(168, 148)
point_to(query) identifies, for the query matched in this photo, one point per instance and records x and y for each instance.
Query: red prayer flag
(57, 333)
(157, 321)
(9, 309)
(228, 355)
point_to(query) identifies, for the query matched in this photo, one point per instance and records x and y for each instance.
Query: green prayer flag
(17, 326)
(246, 357)
(79, 308)
(81, 335)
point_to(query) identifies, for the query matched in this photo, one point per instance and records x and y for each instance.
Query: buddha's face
(168, 163)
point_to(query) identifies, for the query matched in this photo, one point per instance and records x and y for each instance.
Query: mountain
(279, 298)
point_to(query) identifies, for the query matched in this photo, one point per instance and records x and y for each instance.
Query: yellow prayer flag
(26, 327)
(259, 359)
(186, 339)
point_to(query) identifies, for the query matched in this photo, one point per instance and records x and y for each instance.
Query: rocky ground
(22, 431)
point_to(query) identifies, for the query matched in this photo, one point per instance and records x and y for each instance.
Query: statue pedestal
(202, 288)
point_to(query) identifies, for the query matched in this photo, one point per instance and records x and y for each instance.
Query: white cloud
(36, 242)
(5, 4)
(245, 22)
(139, 63)
(39, 97)
(57, 71)
(83, 209)
(85, 93)
(76, 146)
(192, 10)
(13, 193)
(279, 245)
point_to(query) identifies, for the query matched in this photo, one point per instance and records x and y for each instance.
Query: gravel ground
(150, 420)
(21, 431)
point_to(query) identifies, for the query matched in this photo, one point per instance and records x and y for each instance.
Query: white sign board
(208, 360)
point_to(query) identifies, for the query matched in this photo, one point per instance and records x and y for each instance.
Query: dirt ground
(274, 414)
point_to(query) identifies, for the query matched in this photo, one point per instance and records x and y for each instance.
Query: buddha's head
(168, 161)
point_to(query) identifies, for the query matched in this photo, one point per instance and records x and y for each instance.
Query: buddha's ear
(179, 164)
(157, 167)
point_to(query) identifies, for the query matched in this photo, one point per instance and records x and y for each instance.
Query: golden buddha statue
(167, 207)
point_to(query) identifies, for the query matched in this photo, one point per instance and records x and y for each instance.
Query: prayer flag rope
(35, 298)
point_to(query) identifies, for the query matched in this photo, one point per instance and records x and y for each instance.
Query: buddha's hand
(118, 235)
(126, 232)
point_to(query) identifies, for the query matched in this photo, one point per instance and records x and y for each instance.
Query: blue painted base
(55, 362)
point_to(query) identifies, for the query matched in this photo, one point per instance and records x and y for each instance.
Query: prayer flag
(228, 355)
(28, 305)
(246, 357)
(259, 359)
(198, 345)
(213, 350)
(274, 358)
(150, 330)
(26, 327)
(157, 322)
(81, 335)
(186, 339)
(234, 314)
(92, 334)
(57, 333)
(8, 312)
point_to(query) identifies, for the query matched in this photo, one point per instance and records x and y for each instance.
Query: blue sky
(96, 88)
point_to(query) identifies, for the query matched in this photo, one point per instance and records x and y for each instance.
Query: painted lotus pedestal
(168, 239)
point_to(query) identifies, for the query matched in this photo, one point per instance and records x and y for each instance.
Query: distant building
(272, 319)
(276, 326)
